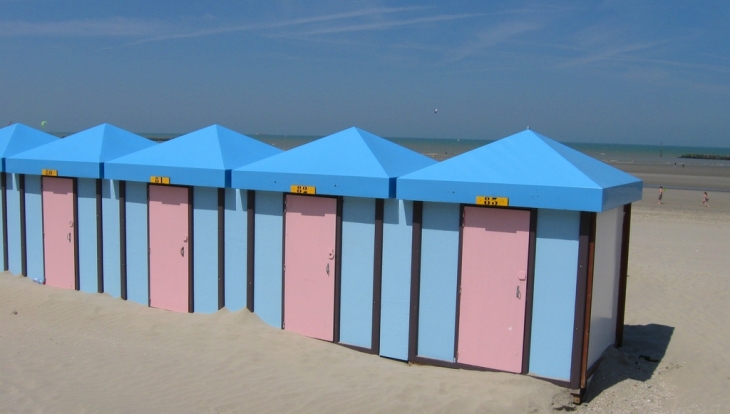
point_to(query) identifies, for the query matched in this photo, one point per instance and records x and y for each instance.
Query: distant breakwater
(706, 156)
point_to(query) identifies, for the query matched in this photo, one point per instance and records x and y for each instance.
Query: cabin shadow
(643, 349)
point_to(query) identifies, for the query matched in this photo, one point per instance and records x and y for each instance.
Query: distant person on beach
(661, 193)
(705, 200)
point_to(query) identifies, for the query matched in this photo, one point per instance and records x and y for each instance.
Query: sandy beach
(676, 176)
(66, 351)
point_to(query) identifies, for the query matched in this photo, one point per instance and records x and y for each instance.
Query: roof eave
(351, 186)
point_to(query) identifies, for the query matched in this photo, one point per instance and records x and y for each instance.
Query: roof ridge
(216, 137)
(366, 142)
(549, 141)
(391, 149)
(104, 142)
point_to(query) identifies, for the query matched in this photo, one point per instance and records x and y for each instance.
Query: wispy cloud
(114, 27)
(663, 75)
(716, 56)
(495, 35)
(385, 25)
(609, 54)
(157, 30)
(606, 43)
(683, 65)
(300, 22)
(147, 31)
(630, 53)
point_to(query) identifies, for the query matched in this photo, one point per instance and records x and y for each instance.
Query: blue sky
(613, 71)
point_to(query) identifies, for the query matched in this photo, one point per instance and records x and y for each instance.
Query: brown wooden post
(623, 276)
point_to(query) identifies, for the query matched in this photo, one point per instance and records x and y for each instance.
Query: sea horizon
(444, 148)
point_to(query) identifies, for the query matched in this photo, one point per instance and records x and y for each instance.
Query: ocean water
(652, 154)
(611, 153)
(441, 149)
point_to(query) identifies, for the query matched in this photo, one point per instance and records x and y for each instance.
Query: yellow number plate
(303, 189)
(50, 173)
(493, 201)
(159, 180)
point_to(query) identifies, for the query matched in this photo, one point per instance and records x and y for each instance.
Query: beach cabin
(70, 173)
(20, 204)
(519, 259)
(329, 239)
(186, 229)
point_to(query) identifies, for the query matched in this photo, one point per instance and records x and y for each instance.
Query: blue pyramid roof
(79, 155)
(352, 162)
(17, 138)
(529, 169)
(203, 158)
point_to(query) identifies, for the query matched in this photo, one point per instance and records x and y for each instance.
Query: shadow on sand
(642, 351)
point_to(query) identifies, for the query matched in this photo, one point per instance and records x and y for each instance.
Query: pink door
(493, 284)
(309, 263)
(59, 237)
(169, 247)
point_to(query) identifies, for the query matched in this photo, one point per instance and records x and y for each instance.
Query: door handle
(518, 294)
(328, 269)
(68, 237)
(182, 251)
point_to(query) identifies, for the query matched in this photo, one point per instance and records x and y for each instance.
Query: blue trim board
(396, 284)
(34, 227)
(370, 187)
(236, 244)
(269, 217)
(14, 250)
(205, 249)
(88, 245)
(356, 280)
(110, 223)
(553, 306)
(137, 250)
(439, 268)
